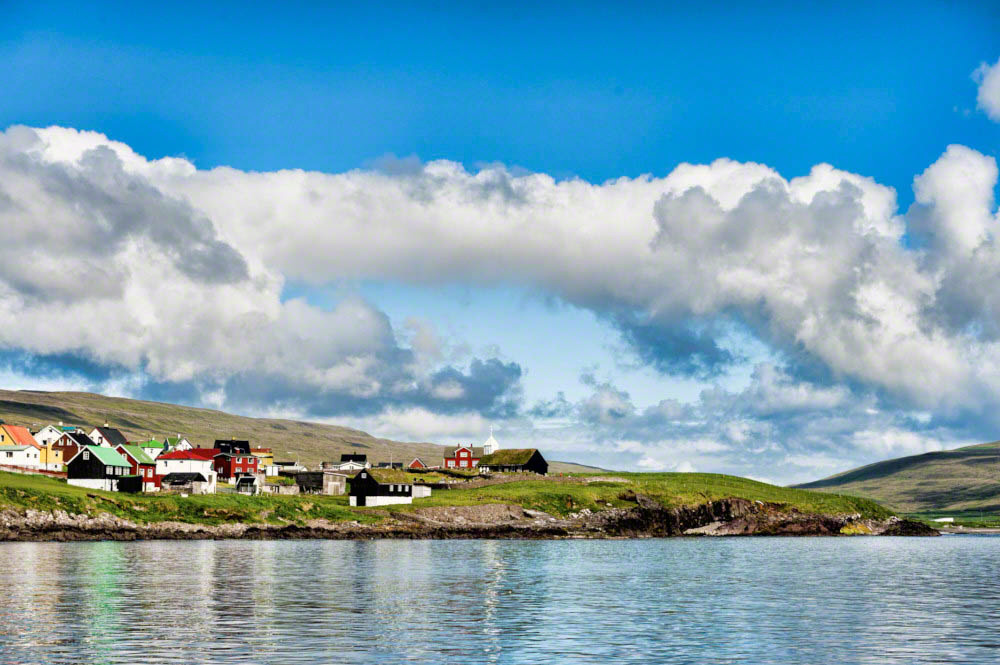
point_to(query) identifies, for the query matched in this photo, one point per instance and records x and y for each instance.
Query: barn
(97, 467)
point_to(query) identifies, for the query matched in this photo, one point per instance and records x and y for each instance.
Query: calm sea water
(753, 600)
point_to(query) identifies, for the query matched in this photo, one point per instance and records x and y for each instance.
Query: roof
(477, 451)
(173, 440)
(138, 454)
(152, 443)
(80, 439)
(185, 477)
(353, 457)
(21, 436)
(106, 455)
(112, 436)
(189, 454)
(12, 449)
(509, 456)
(387, 476)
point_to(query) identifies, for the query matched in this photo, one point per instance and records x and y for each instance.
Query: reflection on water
(874, 600)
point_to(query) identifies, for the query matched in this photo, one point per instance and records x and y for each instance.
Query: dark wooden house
(380, 487)
(514, 460)
(98, 468)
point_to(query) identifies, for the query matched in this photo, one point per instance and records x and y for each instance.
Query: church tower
(491, 445)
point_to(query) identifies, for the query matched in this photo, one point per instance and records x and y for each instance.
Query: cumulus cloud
(100, 264)
(872, 312)
(987, 77)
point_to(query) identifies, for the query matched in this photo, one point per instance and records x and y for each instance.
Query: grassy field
(558, 496)
(292, 440)
(961, 483)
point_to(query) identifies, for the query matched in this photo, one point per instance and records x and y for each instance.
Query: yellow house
(50, 458)
(265, 457)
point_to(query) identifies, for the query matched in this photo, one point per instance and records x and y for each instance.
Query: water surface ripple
(744, 600)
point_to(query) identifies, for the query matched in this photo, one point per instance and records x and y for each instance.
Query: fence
(32, 472)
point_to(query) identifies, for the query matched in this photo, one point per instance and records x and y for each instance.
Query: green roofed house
(177, 443)
(97, 467)
(514, 460)
(382, 487)
(141, 465)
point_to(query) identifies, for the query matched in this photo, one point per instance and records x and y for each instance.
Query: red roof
(200, 454)
(21, 436)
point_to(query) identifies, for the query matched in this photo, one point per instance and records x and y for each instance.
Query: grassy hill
(964, 481)
(309, 443)
(555, 495)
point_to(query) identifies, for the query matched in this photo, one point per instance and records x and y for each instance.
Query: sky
(752, 240)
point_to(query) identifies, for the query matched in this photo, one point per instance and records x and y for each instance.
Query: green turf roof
(508, 456)
(139, 454)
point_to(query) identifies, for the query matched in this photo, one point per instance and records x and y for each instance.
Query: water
(753, 600)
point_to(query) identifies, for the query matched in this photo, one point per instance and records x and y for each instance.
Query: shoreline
(722, 518)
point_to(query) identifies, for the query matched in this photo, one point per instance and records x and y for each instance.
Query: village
(104, 459)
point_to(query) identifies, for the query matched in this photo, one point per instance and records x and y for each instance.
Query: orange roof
(21, 436)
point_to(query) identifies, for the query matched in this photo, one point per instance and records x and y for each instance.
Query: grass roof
(388, 476)
(507, 456)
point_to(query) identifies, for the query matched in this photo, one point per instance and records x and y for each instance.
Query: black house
(98, 468)
(354, 457)
(233, 446)
(515, 460)
(380, 487)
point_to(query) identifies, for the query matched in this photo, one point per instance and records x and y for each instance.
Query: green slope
(308, 443)
(556, 495)
(964, 480)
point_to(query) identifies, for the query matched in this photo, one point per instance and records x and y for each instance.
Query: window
(86, 455)
(108, 471)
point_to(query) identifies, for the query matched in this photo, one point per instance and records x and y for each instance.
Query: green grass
(670, 489)
(557, 496)
(41, 493)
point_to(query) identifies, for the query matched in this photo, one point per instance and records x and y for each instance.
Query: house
(352, 462)
(464, 457)
(322, 482)
(417, 463)
(50, 433)
(233, 446)
(154, 448)
(515, 460)
(69, 444)
(177, 443)
(107, 436)
(380, 487)
(50, 458)
(230, 467)
(248, 485)
(185, 482)
(265, 455)
(26, 457)
(196, 460)
(141, 465)
(15, 435)
(97, 467)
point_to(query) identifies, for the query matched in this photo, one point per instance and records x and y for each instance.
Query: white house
(23, 456)
(186, 461)
(153, 448)
(51, 433)
(178, 443)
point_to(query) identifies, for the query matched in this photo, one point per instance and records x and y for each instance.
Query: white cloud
(988, 96)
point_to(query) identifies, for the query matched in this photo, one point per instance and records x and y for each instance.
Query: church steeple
(491, 445)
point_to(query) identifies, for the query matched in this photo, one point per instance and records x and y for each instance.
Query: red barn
(234, 465)
(465, 457)
(417, 463)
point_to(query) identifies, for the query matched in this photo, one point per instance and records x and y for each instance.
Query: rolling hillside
(309, 443)
(961, 481)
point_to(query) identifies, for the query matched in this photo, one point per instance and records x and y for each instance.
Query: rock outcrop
(726, 517)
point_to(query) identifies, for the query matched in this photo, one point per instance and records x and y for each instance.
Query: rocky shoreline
(726, 517)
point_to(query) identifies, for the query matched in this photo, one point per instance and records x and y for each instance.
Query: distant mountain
(961, 480)
(308, 443)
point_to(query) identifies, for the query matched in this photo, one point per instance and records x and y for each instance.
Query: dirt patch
(493, 513)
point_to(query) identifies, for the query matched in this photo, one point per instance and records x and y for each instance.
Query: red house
(233, 465)
(417, 463)
(142, 465)
(465, 457)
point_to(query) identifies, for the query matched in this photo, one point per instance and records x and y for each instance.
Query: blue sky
(579, 93)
